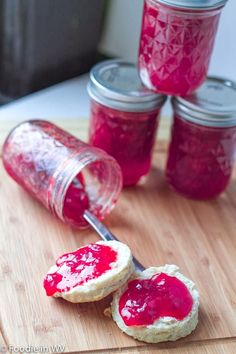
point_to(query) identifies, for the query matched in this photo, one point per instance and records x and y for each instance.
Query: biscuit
(103, 285)
(164, 328)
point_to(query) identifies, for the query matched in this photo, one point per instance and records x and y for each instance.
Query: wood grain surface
(159, 226)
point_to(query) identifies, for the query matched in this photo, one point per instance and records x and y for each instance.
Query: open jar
(203, 145)
(66, 175)
(176, 43)
(124, 117)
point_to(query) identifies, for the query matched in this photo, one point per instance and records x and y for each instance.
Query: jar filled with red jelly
(176, 43)
(203, 144)
(66, 175)
(124, 117)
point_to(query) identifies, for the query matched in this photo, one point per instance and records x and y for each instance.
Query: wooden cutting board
(159, 226)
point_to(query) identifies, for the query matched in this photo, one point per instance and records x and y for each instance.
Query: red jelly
(128, 137)
(76, 200)
(202, 149)
(124, 117)
(66, 175)
(79, 267)
(176, 44)
(147, 300)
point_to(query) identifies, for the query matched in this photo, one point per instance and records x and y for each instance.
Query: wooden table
(159, 226)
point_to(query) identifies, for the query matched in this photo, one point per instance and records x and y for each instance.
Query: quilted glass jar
(66, 175)
(203, 145)
(176, 43)
(124, 117)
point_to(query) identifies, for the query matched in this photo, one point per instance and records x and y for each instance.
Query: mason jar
(203, 144)
(124, 117)
(66, 175)
(176, 43)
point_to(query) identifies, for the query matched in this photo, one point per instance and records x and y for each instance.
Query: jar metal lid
(213, 104)
(194, 4)
(116, 84)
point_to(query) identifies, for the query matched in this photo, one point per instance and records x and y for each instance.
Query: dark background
(43, 42)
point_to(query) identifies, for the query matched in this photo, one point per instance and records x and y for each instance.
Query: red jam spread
(175, 47)
(201, 159)
(127, 136)
(76, 202)
(79, 267)
(145, 301)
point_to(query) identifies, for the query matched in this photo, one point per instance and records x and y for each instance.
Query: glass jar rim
(74, 165)
(194, 4)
